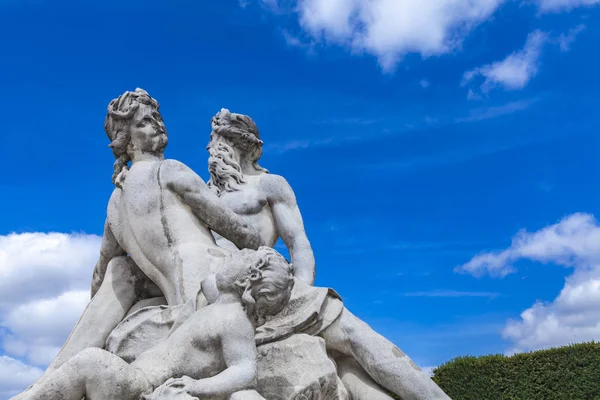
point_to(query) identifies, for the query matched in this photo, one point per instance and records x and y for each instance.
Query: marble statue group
(191, 301)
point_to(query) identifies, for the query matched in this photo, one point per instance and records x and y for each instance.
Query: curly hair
(120, 112)
(242, 131)
(262, 293)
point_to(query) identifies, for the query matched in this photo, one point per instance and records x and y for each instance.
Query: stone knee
(121, 267)
(341, 335)
(87, 363)
(124, 276)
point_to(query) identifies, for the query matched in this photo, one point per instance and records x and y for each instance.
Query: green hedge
(565, 373)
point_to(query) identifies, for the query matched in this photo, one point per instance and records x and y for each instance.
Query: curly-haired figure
(157, 236)
(211, 355)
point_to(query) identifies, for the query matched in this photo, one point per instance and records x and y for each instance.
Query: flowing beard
(225, 172)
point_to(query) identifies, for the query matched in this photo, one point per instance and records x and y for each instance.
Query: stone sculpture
(171, 285)
(160, 214)
(212, 354)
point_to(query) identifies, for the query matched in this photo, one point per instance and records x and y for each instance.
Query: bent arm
(208, 207)
(290, 227)
(108, 250)
(240, 356)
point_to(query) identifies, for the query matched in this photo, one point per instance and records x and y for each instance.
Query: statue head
(262, 278)
(133, 123)
(234, 143)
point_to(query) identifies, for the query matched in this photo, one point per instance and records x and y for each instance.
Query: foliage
(565, 373)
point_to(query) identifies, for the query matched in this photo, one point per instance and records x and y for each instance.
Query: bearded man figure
(366, 362)
(266, 201)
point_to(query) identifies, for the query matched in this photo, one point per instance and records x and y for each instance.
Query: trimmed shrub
(565, 373)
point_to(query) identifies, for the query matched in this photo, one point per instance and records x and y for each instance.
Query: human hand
(172, 389)
(181, 386)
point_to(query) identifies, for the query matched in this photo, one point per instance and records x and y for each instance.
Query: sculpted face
(272, 291)
(147, 129)
(265, 278)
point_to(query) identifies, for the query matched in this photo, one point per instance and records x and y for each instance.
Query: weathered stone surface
(175, 305)
(263, 199)
(297, 368)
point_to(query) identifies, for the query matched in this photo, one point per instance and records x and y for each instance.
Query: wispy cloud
(451, 293)
(377, 129)
(562, 5)
(350, 121)
(571, 241)
(518, 68)
(513, 72)
(297, 144)
(295, 41)
(483, 113)
(565, 40)
(449, 157)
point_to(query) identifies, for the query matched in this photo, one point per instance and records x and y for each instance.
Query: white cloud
(574, 315)
(44, 265)
(513, 72)
(44, 287)
(14, 376)
(573, 241)
(389, 29)
(562, 5)
(40, 328)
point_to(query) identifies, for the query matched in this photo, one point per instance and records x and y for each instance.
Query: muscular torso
(194, 349)
(251, 203)
(161, 233)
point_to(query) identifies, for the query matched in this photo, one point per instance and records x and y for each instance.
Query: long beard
(225, 172)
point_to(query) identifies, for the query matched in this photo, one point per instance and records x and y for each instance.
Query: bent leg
(93, 374)
(104, 312)
(384, 362)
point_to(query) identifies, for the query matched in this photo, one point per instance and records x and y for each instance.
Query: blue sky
(410, 151)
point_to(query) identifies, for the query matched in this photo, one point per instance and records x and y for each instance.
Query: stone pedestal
(298, 368)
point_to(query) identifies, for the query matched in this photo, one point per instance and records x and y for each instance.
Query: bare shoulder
(173, 166)
(176, 172)
(276, 187)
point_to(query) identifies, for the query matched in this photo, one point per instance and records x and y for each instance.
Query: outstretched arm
(207, 206)
(290, 226)
(108, 250)
(239, 354)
